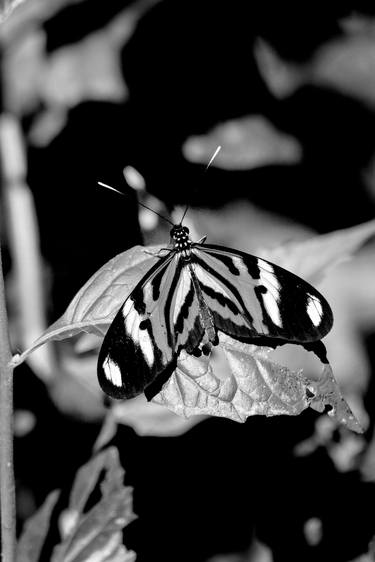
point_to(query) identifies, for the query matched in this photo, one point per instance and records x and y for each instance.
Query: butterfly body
(194, 292)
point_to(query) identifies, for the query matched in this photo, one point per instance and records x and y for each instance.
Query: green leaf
(97, 534)
(35, 531)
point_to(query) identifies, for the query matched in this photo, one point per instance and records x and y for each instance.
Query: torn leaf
(327, 396)
(241, 380)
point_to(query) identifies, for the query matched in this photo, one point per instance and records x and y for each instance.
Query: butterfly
(192, 293)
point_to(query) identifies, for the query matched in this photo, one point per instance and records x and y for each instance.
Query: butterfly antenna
(139, 203)
(183, 216)
(213, 157)
(208, 165)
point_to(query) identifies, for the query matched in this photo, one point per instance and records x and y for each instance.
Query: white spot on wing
(269, 279)
(147, 292)
(140, 337)
(314, 310)
(127, 307)
(132, 322)
(272, 297)
(272, 308)
(146, 347)
(265, 265)
(238, 263)
(112, 372)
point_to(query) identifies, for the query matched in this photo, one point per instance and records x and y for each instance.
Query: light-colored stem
(7, 485)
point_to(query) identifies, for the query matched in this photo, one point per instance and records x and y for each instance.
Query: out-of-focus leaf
(96, 303)
(97, 533)
(146, 418)
(88, 69)
(313, 258)
(346, 452)
(151, 419)
(246, 143)
(345, 64)
(108, 430)
(282, 77)
(253, 384)
(35, 531)
(87, 477)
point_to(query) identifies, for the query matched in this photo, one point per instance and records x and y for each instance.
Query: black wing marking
(251, 299)
(161, 316)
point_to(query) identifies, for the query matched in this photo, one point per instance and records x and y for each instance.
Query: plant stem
(7, 485)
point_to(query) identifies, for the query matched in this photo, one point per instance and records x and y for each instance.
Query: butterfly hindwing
(251, 298)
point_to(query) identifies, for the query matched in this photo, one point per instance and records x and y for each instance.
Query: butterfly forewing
(159, 318)
(135, 348)
(250, 297)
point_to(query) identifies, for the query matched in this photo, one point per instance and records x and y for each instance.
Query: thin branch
(7, 485)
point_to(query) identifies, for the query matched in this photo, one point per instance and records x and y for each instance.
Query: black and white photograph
(187, 281)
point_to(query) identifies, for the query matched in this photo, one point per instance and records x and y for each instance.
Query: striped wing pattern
(160, 317)
(250, 298)
(182, 303)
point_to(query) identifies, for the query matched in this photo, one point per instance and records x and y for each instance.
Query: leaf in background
(148, 418)
(35, 531)
(344, 64)
(60, 78)
(96, 303)
(252, 385)
(313, 258)
(97, 533)
(246, 143)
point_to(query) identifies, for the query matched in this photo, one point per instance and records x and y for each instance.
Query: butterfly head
(180, 237)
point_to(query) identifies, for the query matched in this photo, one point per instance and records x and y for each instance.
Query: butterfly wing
(159, 318)
(254, 301)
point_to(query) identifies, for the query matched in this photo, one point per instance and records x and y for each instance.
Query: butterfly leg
(201, 240)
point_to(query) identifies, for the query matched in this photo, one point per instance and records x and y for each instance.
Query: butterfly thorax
(181, 240)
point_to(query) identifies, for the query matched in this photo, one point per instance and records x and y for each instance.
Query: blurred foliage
(86, 533)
